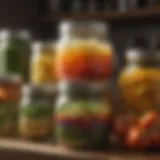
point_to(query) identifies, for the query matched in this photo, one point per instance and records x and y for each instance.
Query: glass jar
(81, 120)
(140, 82)
(42, 64)
(36, 113)
(15, 53)
(140, 91)
(84, 53)
(10, 93)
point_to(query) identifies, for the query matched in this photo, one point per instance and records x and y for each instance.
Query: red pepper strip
(148, 120)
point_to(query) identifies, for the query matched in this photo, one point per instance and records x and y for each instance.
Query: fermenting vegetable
(36, 113)
(42, 65)
(81, 123)
(85, 60)
(83, 52)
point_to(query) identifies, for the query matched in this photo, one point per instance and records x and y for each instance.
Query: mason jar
(42, 63)
(36, 113)
(84, 51)
(15, 53)
(140, 82)
(81, 120)
(10, 94)
(139, 85)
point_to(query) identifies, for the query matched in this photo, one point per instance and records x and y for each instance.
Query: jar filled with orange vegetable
(84, 53)
(42, 63)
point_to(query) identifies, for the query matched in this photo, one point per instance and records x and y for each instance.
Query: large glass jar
(81, 119)
(84, 53)
(42, 64)
(140, 91)
(10, 93)
(36, 113)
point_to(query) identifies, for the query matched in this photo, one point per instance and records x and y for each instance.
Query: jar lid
(22, 34)
(83, 28)
(139, 50)
(151, 59)
(5, 34)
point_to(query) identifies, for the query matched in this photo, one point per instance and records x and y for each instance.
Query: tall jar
(20, 51)
(84, 52)
(42, 63)
(140, 91)
(36, 113)
(10, 94)
(81, 120)
(15, 53)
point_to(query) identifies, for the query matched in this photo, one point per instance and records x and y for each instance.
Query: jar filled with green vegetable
(36, 113)
(14, 53)
(81, 120)
(10, 88)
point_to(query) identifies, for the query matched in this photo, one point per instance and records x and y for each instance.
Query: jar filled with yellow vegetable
(140, 79)
(42, 64)
(137, 123)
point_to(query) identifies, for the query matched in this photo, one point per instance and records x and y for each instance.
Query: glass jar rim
(80, 28)
(142, 57)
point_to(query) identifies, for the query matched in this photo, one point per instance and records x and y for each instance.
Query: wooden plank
(23, 149)
(138, 13)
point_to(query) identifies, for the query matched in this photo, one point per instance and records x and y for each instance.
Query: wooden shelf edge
(138, 13)
(57, 151)
(48, 150)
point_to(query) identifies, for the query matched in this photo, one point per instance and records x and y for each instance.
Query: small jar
(36, 113)
(140, 80)
(81, 120)
(15, 53)
(84, 52)
(10, 93)
(42, 64)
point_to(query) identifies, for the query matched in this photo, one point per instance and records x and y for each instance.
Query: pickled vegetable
(42, 68)
(140, 88)
(8, 119)
(84, 59)
(35, 121)
(82, 123)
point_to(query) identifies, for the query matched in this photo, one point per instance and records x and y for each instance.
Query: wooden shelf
(56, 152)
(139, 13)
